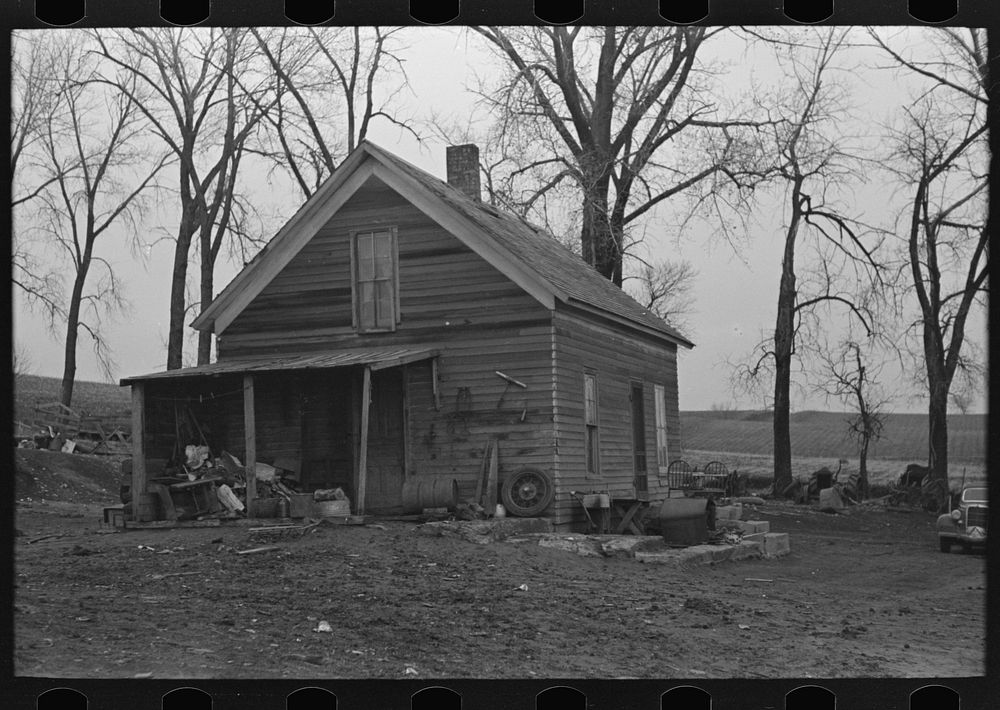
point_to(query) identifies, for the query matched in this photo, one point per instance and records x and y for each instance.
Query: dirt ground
(863, 594)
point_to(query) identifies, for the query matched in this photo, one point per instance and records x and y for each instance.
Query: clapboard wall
(451, 300)
(617, 357)
(447, 292)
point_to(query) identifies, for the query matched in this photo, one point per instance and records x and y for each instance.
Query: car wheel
(966, 548)
(945, 544)
(527, 493)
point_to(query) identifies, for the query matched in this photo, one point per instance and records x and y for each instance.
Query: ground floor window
(591, 422)
(659, 392)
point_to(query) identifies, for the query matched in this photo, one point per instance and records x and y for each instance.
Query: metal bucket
(332, 508)
(684, 521)
(436, 492)
(146, 507)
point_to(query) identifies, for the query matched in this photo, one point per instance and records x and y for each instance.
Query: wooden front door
(386, 453)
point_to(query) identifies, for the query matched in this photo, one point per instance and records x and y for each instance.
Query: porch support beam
(138, 444)
(250, 437)
(366, 395)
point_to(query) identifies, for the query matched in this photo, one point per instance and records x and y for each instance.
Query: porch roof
(375, 358)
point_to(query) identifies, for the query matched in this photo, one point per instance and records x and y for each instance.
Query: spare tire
(527, 492)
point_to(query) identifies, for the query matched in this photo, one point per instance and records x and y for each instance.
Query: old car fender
(945, 523)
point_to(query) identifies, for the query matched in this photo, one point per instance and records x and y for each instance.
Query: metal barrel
(684, 521)
(430, 492)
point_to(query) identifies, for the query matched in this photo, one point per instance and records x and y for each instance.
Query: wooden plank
(366, 395)
(138, 441)
(250, 441)
(490, 497)
(210, 523)
(482, 472)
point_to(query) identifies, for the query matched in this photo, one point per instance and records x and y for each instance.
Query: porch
(331, 420)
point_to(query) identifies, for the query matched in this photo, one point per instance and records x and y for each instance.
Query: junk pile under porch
(206, 487)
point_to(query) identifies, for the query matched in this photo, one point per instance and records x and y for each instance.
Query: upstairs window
(375, 283)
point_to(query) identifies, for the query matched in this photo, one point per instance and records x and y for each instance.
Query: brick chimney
(463, 169)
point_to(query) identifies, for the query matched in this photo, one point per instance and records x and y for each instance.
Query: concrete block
(776, 544)
(756, 538)
(725, 513)
(748, 549)
(756, 526)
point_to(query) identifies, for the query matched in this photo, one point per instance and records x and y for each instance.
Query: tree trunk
(597, 238)
(782, 383)
(72, 334)
(784, 335)
(207, 285)
(863, 468)
(178, 281)
(937, 459)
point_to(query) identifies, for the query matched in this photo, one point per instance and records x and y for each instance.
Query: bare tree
(940, 157)
(664, 287)
(34, 101)
(851, 373)
(621, 115)
(812, 158)
(332, 84)
(97, 171)
(187, 84)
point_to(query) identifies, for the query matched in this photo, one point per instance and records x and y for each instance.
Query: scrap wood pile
(200, 485)
(57, 427)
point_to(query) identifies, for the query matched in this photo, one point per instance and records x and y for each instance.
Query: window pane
(661, 425)
(366, 304)
(383, 255)
(590, 399)
(385, 312)
(365, 254)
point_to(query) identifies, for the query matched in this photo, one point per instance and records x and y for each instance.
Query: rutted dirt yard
(862, 594)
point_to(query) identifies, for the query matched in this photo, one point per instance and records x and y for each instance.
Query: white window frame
(393, 280)
(591, 427)
(662, 452)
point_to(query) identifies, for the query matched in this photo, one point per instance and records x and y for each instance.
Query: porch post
(250, 437)
(366, 395)
(138, 444)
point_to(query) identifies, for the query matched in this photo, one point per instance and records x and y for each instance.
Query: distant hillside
(95, 398)
(824, 434)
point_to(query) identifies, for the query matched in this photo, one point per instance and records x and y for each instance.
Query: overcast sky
(734, 293)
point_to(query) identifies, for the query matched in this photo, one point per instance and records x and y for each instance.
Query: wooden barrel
(145, 507)
(430, 492)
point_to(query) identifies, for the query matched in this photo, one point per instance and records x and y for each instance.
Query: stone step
(746, 526)
(776, 544)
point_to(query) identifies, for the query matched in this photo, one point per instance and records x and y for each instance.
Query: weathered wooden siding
(451, 300)
(444, 286)
(476, 405)
(618, 357)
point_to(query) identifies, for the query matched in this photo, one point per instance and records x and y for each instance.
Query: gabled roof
(527, 255)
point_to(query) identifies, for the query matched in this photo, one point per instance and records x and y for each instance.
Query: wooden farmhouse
(397, 324)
